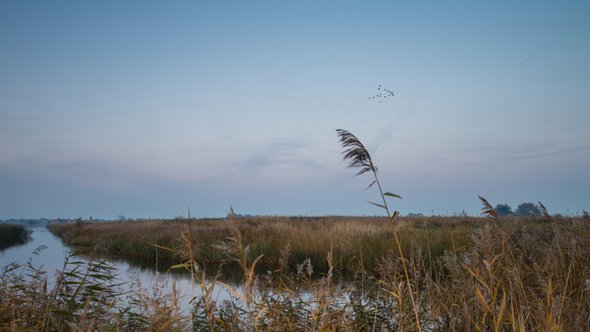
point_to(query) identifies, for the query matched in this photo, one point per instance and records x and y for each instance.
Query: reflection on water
(230, 273)
(52, 258)
(13, 240)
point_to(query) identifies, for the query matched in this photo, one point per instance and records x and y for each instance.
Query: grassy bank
(357, 244)
(11, 235)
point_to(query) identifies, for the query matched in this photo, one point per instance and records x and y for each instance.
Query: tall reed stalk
(358, 157)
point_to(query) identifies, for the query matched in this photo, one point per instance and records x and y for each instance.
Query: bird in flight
(382, 94)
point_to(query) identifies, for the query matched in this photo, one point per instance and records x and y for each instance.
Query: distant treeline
(27, 222)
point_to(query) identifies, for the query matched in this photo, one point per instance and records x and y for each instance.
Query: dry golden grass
(467, 274)
(356, 242)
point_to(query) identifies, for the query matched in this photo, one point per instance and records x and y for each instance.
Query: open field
(11, 235)
(522, 274)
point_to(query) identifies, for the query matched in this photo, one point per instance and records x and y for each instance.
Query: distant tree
(504, 210)
(527, 209)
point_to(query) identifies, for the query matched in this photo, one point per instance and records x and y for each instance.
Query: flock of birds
(382, 94)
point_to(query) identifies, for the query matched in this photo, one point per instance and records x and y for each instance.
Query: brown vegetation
(466, 274)
(357, 243)
(11, 235)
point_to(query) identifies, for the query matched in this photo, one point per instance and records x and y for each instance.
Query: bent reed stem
(359, 157)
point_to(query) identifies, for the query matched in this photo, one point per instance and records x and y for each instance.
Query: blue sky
(139, 108)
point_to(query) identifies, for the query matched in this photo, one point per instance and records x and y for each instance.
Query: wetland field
(313, 274)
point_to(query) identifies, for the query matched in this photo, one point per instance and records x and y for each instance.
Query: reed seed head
(355, 152)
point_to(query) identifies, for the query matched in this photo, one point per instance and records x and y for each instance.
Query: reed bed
(12, 235)
(524, 274)
(357, 243)
(85, 296)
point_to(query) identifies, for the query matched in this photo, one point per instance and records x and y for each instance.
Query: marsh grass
(468, 274)
(12, 235)
(357, 243)
(511, 275)
(80, 295)
(84, 295)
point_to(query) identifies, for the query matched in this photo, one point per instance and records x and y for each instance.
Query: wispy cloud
(548, 154)
(85, 173)
(397, 117)
(512, 152)
(281, 161)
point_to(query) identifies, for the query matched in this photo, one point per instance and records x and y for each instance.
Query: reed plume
(358, 157)
(544, 211)
(355, 152)
(488, 210)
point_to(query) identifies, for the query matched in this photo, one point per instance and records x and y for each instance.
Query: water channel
(51, 259)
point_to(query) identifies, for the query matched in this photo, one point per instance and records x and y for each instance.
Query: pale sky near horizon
(140, 108)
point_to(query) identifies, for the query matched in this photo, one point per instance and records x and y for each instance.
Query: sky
(145, 108)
